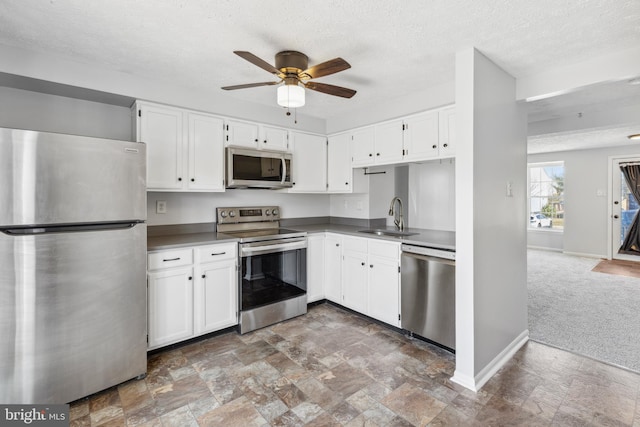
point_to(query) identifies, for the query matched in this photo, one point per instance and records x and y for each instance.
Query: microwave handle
(284, 169)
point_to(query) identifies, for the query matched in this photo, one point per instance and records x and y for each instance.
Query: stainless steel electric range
(272, 273)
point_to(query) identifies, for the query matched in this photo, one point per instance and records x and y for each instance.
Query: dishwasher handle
(428, 252)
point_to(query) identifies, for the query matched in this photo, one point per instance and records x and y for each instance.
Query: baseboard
(583, 255)
(544, 248)
(476, 383)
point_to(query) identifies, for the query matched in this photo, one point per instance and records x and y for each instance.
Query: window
(546, 196)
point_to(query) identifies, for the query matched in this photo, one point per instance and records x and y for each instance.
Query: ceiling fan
(293, 69)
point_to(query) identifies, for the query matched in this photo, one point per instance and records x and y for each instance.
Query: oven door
(272, 281)
(258, 169)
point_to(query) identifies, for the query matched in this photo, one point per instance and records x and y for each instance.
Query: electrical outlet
(161, 206)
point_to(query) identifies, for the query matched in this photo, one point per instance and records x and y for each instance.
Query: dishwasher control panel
(433, 252)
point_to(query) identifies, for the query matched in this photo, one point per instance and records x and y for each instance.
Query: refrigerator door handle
(24, 231)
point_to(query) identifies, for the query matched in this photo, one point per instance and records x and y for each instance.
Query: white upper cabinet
(206, 153)
(447, 137)
(161, 129)
(421, 136)
(273, 138)
(253, 135)
(339, 171)
(418, 137)
(388, 146)
(363, 146)
(185, 149)
(309, 163)
(241, 134)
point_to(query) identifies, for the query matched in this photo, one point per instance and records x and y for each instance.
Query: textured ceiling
(395, 47)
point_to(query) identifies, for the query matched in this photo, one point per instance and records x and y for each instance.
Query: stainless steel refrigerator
(72, 265)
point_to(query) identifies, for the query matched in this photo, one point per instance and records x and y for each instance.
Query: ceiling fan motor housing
(291, 62)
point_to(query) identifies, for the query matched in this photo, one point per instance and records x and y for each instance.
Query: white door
(354, 281)
(623, 208)
(384, 290)
(170, 306)
(216, 296)
(388, 146)
(309, 163)
(274, 139)
(339, 171)
(315, 267)
(333, 268)
(206, 153)
(421, 136)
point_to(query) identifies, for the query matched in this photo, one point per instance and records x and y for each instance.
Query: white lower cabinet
(333, 268)
(191, 295)
(315, 267)
(170, 306)
(364, 275)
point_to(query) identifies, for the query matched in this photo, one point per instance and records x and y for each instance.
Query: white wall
(22, 109)
(491, 270)
(586, 212)
(432, 195)
(187, 208)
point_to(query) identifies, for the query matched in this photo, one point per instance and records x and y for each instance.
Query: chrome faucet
(398, 222)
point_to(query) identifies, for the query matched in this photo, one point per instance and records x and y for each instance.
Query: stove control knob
(232, 214)
(223, 214)
(274, 212)
(267, 212)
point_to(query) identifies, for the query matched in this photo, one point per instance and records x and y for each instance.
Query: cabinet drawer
(169, 259)
(216, 252)
(384, 249)
(355, 244)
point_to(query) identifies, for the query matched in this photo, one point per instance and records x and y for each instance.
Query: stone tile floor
(335, 368)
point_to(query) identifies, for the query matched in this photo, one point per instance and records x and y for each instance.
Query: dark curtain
(631, 244)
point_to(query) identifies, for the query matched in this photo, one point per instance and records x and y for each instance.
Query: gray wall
(21, 109)
(586, 213)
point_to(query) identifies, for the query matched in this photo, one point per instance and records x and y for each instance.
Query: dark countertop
(431, 238)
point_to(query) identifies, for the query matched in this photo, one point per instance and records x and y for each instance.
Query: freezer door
(72, 313)
(49, 178)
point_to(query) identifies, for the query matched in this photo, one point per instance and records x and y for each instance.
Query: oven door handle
(258, 248)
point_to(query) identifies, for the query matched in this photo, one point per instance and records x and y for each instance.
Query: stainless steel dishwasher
(428, 295)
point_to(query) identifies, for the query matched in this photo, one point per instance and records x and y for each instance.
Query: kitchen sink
(389, 233)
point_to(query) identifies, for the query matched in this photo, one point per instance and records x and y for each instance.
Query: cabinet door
(339, 171)
(309, 163)
(273, 138)
(384, 289)
(388, 147)
(421, 136)
(161, 129)
(315, 267)
(241, 134)
(363, 146)
(216, 301)
(170, 306)
(354, 275)
(206, 153)
(447, 136)
(333, 268)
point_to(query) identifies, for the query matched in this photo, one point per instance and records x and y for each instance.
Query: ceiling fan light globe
(291, 96)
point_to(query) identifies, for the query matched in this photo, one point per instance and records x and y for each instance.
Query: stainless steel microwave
(247, 168)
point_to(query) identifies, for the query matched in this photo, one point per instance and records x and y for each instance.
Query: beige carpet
(619, 268)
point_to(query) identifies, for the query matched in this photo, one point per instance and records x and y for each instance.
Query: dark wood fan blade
(248, 85)
(257, 61)
(329, 67)
(330, 89)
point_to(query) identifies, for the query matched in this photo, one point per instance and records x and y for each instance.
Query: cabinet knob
(370, 155)
(370, 265)
(362, 263)
(190, 278)
(445, 145)
(203, 276)
(293, 183)
(346, 183)
(265, 141)
(193, 180)
(434, 146)
(337, 244)
(179, 179)
(377, 154)
(616, 216)
(256, 140)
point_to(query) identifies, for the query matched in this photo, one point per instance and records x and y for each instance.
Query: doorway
(623, 207)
